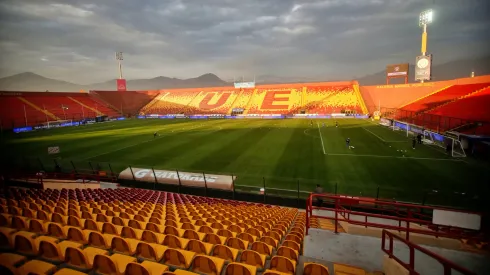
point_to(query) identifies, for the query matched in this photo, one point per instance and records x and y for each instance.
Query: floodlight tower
(119, 58)
(425, 19)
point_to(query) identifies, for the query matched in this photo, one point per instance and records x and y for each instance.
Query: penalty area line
(321, 138)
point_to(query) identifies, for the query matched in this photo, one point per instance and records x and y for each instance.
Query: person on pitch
(336, 124)
(414, 141)
(419, 138)
(155, 135)
(347, 142)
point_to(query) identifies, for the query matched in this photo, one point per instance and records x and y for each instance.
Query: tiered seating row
(443, 96)
(258, 101)
(112, 230)
(474, 107)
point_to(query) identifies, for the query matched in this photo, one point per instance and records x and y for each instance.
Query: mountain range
(29, 81)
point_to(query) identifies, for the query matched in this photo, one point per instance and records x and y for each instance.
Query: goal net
(451, 145)
(407, 128)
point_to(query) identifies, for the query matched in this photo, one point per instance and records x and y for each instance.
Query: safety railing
(402, 217)
(387, 245)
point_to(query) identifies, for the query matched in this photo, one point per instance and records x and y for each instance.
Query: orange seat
(199, 247)
(240, 269)
(178, 258)
(253, 258)
(36, 267)
(262, 248)
(207, 265)
(288, 253)
(145, 268)
(283, 264)
(224, 252)
(314, 269)
(237, 243)
(149, 251)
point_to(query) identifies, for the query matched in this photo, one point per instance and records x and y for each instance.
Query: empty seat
(207, 265)
(36, 267)
(178, 258)
(240, 269)
(224, 252)
(199, 247)
(145, 268)
(283, 264)
(148, 251)
(253, 258)
(315, 269)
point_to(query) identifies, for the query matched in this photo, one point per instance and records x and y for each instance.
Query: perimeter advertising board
(222, 182)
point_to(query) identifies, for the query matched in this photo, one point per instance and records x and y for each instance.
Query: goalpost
(407, 128)
(451, 145)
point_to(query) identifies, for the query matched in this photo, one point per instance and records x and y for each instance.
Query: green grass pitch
(283, 153)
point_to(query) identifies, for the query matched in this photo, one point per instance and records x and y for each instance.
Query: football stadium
(249, 178)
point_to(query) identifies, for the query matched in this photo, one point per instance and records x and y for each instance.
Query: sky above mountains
(75, 40)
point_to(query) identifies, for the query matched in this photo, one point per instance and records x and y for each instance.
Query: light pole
(425, 18)
(119, 58)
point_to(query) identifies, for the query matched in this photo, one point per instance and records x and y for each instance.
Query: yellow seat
(342, 269)
(50, 251)
(214, 239)
(124, 246)
(288, 253)
(237, 243)
(11, 259)
(23, 242)
(152, 237)
(315, 269)
(184, 272)
(36, 267)
(199, 247)
(154, 268)
(175, 242)
(207, 265)
(67, 271)
(240, 269)
(178, 258)
(150, 251)
(283, 264)
(96, 239)
(224, 252)
(65, 244)
(253, 258)
(262, 248)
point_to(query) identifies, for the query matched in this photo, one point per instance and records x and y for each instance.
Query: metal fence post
(110, 167)
(91, 167)
(74, 168)
(41, 164)
(180, 183)
(131, 169)
(154, 176)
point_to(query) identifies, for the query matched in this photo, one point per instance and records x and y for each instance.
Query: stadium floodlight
(119, 58)
(425, 17)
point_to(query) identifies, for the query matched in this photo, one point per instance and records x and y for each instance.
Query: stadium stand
(130, 102)
(33, 108)
(443, 96)
(473, 106)
(135, 231)
(266, 100)
(273, 101)
(332, 99)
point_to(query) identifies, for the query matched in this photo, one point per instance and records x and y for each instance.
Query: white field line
(321, 138)
(374, 135)
(143, 142)
(383, 140)
(308, 134)
(394, 157)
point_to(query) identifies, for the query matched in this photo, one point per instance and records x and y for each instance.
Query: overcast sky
(75, 40)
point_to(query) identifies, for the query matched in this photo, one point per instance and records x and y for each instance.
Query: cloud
(75, 40)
